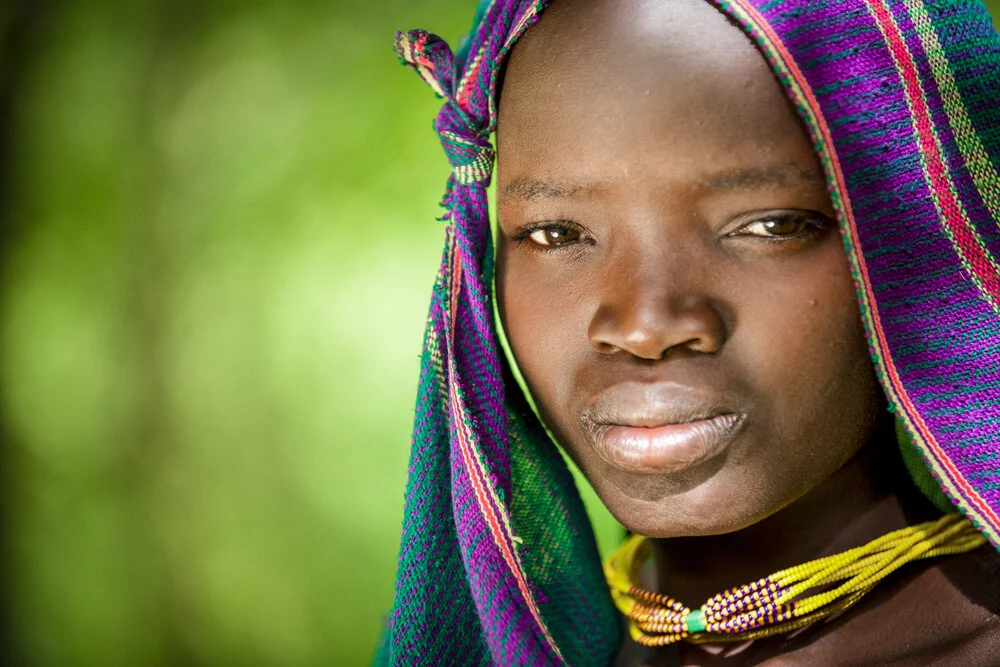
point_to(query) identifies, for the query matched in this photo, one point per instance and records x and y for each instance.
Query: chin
(671, 524)
(663, 508)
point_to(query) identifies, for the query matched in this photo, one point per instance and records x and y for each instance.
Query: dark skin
(664, 223)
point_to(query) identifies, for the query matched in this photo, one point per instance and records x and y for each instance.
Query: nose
(651, 314)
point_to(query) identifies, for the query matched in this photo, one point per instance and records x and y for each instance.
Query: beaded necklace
(777, 603)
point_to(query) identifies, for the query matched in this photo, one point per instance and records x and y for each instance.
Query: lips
(659, 428)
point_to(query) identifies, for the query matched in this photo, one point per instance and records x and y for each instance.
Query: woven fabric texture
(497, 563)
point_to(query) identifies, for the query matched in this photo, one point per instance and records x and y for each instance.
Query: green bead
(695, 621)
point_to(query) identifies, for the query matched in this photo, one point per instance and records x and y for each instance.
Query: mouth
(658, 428)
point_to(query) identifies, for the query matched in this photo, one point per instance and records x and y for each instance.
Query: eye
(783, 226)
(553, 235)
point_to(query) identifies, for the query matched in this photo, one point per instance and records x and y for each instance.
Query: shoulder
(972, 583)
(946, 614)
(981, 647)
(938, 612)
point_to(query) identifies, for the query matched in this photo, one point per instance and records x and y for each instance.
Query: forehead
(615, 86)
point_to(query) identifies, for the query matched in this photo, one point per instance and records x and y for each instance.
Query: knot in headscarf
(464, 135)
(471, 157)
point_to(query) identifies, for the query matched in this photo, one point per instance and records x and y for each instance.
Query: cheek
(545, 318)
(810, 365)
(808, 335)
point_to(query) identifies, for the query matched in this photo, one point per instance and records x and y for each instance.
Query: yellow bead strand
(775, 604)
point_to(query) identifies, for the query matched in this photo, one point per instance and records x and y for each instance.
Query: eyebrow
(525, 189)
(758, 177)
(751, 178)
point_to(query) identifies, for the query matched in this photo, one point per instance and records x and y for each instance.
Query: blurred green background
(219, 244)
(219, 239)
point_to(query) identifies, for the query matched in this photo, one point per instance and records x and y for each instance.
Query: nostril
(607, 348)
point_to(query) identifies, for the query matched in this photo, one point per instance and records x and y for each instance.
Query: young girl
(802, 440)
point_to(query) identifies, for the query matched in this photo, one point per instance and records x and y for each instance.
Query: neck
(866, 498)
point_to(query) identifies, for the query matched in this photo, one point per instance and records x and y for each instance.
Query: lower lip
(669, 448)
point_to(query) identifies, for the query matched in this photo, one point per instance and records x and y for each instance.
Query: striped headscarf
(497, 562)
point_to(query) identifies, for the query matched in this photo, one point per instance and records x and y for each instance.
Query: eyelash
(815, 223)
(564, 226)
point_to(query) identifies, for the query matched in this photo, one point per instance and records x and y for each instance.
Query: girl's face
(670, 275)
